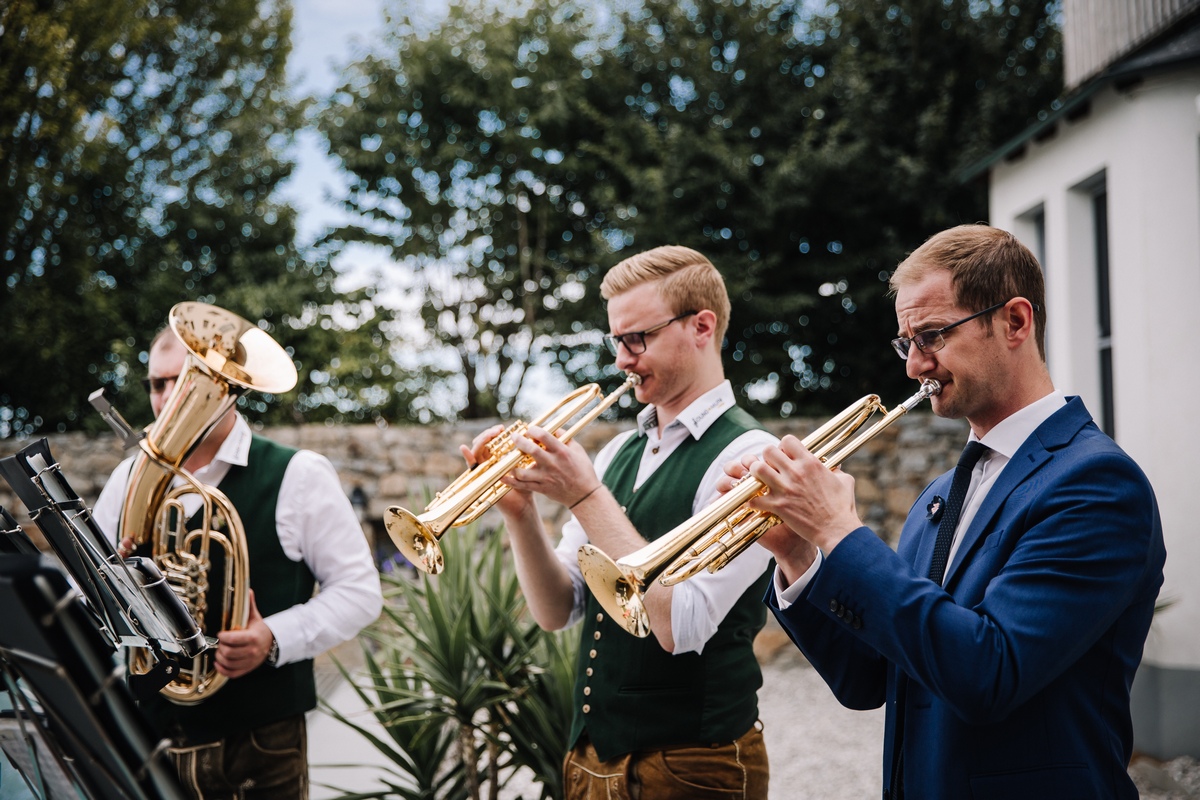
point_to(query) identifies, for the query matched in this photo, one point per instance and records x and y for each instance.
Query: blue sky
(327, 34)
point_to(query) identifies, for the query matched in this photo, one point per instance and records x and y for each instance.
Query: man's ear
(1017, 317)
(705, 325)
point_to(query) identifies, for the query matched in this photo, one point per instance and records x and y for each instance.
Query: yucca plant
(467, 687)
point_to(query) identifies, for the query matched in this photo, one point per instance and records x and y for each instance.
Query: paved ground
(818, 749)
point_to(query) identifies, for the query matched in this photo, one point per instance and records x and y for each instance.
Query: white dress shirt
(316, 525)
(698, 604)
(1002, 442)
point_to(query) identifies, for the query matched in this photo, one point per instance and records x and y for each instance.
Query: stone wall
(404, 465)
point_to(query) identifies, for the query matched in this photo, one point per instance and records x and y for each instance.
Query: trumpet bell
(414, 540)
(613, 590)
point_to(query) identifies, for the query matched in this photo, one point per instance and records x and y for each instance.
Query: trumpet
(479, 488)
(727, 526)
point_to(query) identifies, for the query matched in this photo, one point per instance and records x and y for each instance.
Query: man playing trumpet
(673, 715)
(1004, 633)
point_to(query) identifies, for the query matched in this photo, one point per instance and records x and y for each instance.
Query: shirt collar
(235, 450)
(1010, 433)
(698, 416)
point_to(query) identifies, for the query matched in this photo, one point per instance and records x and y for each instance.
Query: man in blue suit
(1005, 659)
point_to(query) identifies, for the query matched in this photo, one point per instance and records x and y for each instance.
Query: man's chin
(943, 403)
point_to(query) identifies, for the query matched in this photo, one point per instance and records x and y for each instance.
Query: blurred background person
(248, 740)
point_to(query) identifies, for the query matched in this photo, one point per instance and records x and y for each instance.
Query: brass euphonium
(727, 526)
(479, 488)
(227, 356)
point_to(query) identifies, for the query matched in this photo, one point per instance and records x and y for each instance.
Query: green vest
(630, 694)
(265, 695)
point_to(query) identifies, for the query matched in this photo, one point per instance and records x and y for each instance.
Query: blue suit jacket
(1013, 680)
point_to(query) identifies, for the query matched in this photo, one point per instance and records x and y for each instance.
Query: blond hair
(987, 266)
(686, 279)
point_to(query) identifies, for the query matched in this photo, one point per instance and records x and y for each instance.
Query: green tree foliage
(463, 146)
(141, 142)
(804, 148)
(807, 150)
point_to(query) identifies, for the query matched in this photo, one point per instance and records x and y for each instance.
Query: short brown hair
(688, 282)
(987, 266)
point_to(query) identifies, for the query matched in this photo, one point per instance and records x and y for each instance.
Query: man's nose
(919, 362)
(625, 359)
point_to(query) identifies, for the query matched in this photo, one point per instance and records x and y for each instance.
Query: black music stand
(74, 722)
(13, 540)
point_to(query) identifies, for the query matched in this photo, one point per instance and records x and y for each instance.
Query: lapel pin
(934, 509)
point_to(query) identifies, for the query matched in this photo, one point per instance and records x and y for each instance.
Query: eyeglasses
(635, 343)
(158, 385)
(932, 341)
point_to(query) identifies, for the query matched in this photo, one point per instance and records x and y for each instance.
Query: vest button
(589, 672)
(592, 654)
(587, 690)
(596, 635)
(586, 708)
(599, 618)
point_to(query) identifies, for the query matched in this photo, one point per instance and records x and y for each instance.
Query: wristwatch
(273, 653)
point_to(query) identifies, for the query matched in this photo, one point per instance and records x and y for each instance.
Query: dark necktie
(954, 504)
(941, 551)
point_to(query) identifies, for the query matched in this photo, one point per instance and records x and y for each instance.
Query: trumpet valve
(503, 442)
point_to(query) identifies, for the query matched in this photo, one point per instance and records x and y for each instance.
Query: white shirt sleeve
(786, 595)
(317, 524)
(107, 511)
(699, 604)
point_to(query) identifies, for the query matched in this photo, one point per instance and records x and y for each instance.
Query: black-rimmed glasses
(932, 341)
(635, 342)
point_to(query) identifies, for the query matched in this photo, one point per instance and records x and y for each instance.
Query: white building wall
(1146, 143)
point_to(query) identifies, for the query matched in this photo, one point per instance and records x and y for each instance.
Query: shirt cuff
(787, 595)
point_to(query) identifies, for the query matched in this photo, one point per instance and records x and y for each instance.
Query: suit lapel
(1026, 461)
(920, 532)
(1036, 450)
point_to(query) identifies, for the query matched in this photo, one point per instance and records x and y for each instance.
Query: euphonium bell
(727, 526)
(227, 355)
(479, 488)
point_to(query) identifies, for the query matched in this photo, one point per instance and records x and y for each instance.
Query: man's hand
(812, 500)
(562, 472)
(514, 503)
(793, 553)
(241, 651)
